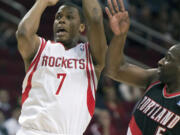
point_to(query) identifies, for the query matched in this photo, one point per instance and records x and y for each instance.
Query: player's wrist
(120, 35)
(43, 2)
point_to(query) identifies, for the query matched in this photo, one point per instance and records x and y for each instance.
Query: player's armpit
(27, 46)
(28, 41)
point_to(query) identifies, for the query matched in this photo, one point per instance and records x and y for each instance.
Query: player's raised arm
(28, 41)
(95, 31)
(116, 66)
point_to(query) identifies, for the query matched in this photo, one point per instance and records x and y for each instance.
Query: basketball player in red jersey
(158, 112)
(58, 94)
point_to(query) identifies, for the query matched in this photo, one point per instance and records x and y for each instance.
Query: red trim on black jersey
(151, 85)
(29, 85)
(134, 127)
(90, 98)
(169, 95)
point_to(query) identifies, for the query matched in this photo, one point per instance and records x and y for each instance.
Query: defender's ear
(82, 28)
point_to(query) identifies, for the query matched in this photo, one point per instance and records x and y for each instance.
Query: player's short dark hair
(70, 4)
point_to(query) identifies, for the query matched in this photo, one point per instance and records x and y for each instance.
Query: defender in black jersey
(158, 112)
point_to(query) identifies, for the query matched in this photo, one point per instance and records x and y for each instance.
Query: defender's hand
(118, 17)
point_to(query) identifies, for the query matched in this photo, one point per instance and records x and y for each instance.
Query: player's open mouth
(61, 32)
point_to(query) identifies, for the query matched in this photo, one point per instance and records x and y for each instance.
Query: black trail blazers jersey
(157, 113)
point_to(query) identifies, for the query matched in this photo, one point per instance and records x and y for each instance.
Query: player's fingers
(116, 5)
(111, 7)
(108, 12)
(126, 14)
(122, 8)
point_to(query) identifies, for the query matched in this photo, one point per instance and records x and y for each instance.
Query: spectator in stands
(3, 130)
(159, 12)
(7, 34)
(145, 16)
(175, 25)
(12, 124)
(104, 121)
(4, 102)
(174, 4)
(3, 27)
(118, 109)
(102, 124)
(133, 11)
(129, 93)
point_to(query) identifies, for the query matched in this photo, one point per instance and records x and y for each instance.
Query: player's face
(66, 24)
(168, 67)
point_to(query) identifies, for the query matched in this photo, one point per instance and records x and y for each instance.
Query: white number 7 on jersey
(61, 82)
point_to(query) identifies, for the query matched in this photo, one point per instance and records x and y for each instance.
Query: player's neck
(173, 87)
(70, 45)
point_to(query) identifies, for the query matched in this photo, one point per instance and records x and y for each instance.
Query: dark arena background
(154, 28)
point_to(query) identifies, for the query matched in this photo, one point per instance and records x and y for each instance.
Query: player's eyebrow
(68, 12)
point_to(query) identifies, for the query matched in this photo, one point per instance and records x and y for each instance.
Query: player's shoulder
(155, 83)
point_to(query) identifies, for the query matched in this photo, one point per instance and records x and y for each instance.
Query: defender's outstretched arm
(116, 66)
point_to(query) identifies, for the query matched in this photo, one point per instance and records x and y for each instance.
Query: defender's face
(66, 24)
(168, 67)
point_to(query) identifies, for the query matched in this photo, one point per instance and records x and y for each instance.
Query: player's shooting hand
(50, 2)
(118, 17)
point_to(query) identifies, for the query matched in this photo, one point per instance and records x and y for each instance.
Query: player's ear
(81, 28)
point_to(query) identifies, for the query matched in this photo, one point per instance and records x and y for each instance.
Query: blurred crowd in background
(115, 101)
